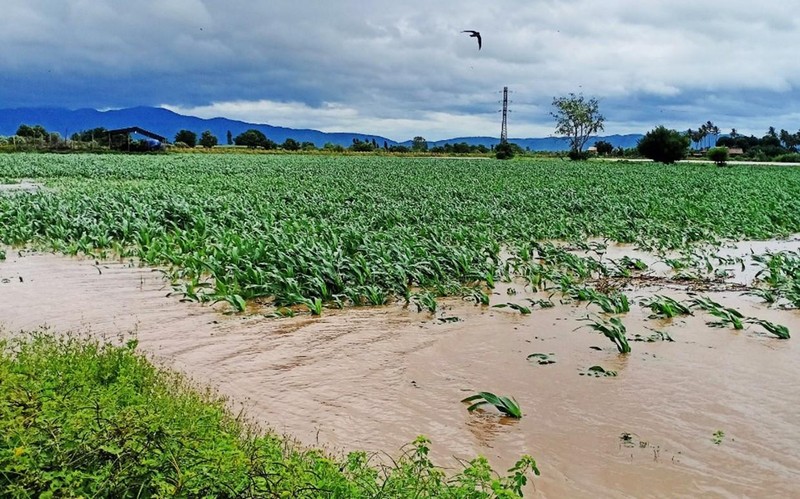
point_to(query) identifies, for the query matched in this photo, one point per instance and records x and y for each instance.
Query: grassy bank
(80, 418)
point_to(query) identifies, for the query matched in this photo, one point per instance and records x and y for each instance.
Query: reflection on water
(375, 378)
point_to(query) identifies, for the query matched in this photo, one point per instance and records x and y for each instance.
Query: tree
(361, 146)
(789, 140)
(577, 119)
(188, 137)
(603, 147)
(208, 140)
(290, 145)
(251, 138)
(230, 138)
(91, 135)
(664, 145)
(419, 144)
(503, 150)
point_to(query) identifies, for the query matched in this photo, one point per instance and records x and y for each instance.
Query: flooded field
(712, 413)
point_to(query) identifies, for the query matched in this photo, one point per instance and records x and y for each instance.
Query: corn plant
(613, 329)
(513, 306)
(506, 405)
(424, 301)
(727, 316)
(598, 372)
(778, 330)
(664, 306)
(477, 295)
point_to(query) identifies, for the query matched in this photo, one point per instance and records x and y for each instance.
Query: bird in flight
(474, 34)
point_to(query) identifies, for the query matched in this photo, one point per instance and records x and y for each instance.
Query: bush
(579, 155)
(504, 150)
(788, 158)
(664, 145)
(719, 155)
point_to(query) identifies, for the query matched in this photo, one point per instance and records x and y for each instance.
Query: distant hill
(167, 123)
(163, 122)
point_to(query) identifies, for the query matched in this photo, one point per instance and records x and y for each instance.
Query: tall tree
(230, 138)
(419, 143)
(577, 119)
(663, 145)
(188, 137)
(207, 139)
(603, 148)
(251, 138)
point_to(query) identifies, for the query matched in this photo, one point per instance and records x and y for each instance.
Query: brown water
(375, 378)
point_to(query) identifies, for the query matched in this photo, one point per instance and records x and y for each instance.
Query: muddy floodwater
(374, 378)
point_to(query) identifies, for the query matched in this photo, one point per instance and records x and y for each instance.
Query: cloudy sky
(400, 69)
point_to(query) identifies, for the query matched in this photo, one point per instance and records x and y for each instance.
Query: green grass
(80, 418)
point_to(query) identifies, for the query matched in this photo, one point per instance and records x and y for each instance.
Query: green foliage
(424, 301)
(506, 405)
(208, 140)
(599, 372)
(727, 315)
(188, 137)
(503, 150)
(253, 139)
(577, 119)
(604, 148)
(666, 307)
(778, 330)
(377, 229)
(793, 157)
(578, 155)
(663, 145)
(31, 132)
(419, 144)
(613, 329)
(513, 306)
(719, 155)
(79, 418)
(290, 144)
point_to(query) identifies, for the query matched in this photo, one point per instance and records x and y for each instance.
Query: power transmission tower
(504, 128)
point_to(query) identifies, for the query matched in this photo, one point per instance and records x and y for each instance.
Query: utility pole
(504, 127)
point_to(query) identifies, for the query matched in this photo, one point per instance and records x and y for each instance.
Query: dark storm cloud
(401, 69)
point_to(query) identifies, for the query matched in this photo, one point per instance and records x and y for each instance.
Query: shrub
(579, 155)
(664, 145)
(793, 157)
(719, 155)
(504, 150)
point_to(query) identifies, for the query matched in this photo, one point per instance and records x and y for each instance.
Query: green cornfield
(347, 230)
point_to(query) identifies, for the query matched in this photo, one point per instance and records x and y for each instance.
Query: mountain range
(167, 123)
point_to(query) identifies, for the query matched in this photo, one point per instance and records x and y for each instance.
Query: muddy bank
(375, 378)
